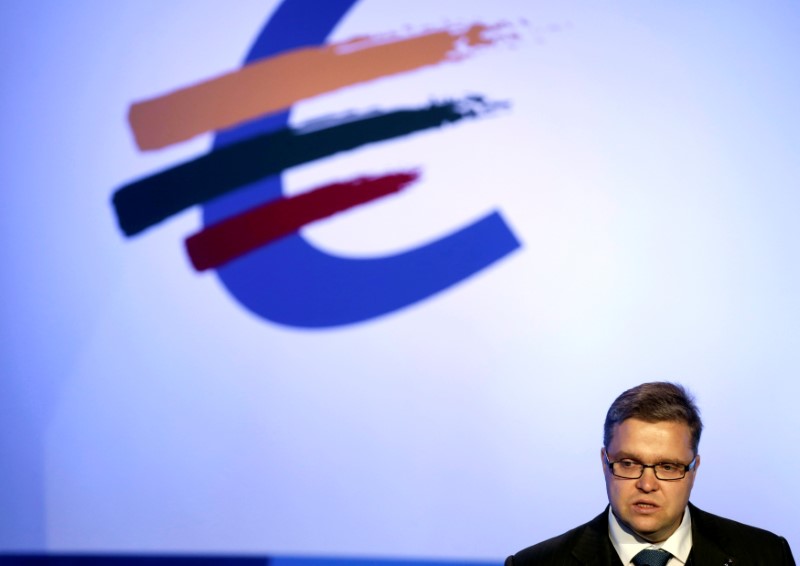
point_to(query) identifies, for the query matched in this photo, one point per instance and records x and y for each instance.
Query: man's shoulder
(550, 549)
(711, 524)
(745, 541)
(560, 549)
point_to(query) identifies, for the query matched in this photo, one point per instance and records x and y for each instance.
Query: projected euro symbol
(251, 234)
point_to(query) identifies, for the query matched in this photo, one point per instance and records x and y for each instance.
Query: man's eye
(668, 467)
(627, 463)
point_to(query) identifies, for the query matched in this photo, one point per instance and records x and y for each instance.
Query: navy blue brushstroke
(146, 202)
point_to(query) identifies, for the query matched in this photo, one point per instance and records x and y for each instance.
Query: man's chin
(647, 528)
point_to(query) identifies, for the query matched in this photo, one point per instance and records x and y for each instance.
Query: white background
(648, 164)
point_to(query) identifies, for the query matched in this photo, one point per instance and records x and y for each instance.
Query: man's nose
(648, 482)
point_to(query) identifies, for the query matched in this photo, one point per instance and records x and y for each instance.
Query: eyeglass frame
(686, 468)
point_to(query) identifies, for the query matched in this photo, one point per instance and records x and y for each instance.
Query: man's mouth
(645, 506)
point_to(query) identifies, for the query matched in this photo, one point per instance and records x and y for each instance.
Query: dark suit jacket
(715, 542)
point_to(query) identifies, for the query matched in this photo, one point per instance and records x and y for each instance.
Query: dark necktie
(652, 557)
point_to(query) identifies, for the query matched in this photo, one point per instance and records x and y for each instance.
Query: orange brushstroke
(276, 83)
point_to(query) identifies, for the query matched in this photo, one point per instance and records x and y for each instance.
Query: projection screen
(343, 279)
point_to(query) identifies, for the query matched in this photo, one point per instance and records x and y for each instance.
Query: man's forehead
(658, 432)
(645, 421)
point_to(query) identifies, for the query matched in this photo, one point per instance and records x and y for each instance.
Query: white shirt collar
(628, 544)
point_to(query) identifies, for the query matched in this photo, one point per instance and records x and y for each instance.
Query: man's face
(651, 508)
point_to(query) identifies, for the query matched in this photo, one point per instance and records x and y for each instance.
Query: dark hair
(655, 402)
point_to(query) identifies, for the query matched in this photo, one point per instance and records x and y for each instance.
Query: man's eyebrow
(623, 455)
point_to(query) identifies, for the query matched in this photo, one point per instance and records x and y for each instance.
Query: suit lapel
(707, 541)
(594, 547)
(706, 553)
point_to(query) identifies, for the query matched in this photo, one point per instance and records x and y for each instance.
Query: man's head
(653, 423)
(654, 402)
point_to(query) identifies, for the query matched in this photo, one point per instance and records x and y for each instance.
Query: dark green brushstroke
(148, 201)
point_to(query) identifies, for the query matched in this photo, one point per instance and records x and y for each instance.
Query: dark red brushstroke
(238, 235)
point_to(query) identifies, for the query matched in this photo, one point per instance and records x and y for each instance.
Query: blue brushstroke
(292, 282)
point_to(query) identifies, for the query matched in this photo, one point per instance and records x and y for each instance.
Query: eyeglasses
(632, 470)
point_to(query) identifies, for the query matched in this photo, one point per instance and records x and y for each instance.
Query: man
(650, 461)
